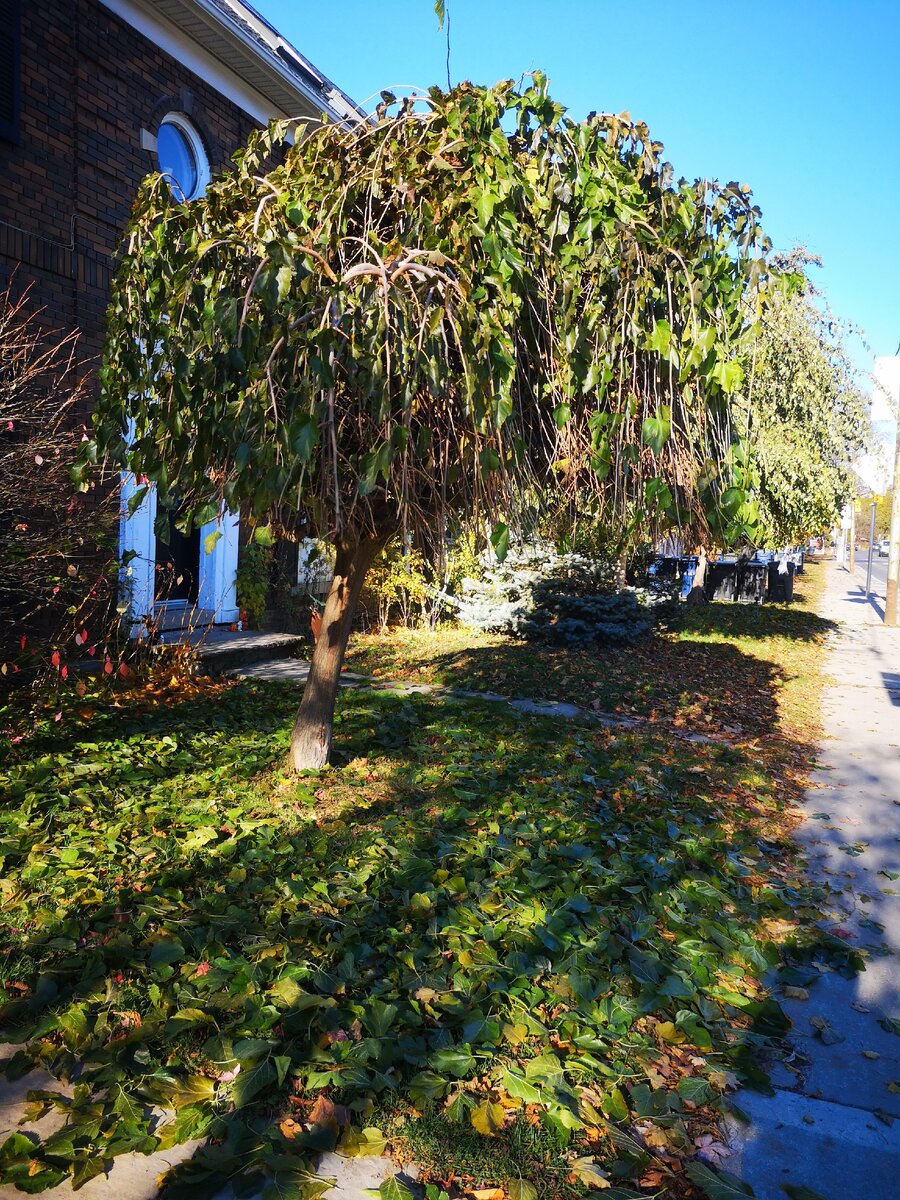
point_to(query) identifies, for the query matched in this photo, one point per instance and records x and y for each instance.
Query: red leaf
(54, 658)
(65, 672)
(123, 670)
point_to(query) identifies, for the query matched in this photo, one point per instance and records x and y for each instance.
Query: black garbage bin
(781, 584)
(752, 582)
(722, 581)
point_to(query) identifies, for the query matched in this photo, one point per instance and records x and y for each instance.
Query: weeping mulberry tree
(424, 316)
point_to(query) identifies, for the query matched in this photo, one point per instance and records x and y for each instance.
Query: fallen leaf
(488, 1118)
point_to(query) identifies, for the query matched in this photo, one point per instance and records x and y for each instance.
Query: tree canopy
(802, 410)
(430, 313)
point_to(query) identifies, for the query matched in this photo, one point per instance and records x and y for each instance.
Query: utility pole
(853, 535)
(893, 573)
(871, 550)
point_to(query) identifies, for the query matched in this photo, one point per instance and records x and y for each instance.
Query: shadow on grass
(573, 917)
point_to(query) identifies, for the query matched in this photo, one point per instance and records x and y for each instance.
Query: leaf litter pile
(525, 952)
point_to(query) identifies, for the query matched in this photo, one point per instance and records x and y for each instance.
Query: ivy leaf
(458, 1062)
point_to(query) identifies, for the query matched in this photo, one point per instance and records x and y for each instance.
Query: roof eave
(311, 103)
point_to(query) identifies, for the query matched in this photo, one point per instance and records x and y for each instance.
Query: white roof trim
(295, 99)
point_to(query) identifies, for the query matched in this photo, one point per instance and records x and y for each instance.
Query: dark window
(10, 69)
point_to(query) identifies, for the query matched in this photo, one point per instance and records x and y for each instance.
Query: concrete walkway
(833, 1124)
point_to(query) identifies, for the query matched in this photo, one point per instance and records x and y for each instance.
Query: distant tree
(428, 317)
(804, 412)
(882, 515)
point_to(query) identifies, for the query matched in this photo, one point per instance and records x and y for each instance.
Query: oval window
(181, 157)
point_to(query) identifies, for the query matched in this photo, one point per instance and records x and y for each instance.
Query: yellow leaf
(515, 1033)
(488, 1119)
(668, 1033)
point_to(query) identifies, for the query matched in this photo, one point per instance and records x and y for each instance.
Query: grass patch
(499, 940)
(697, 669)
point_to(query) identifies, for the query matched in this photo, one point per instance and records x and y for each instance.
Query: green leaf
(660, 339)
(394, 1189)
(379, 1017)
(500, 540)
(456, 1061)
(521, 1189)
(427, 1085)
(187, 1018)
(165, 951)
(252, 1080)
(195, 1089)
(721, 1186)
(211, 541)
(697, 1090)
(655, 431)
(614, 1105)
(16, 1146)
(136, 499)
(561, 415)
(283, 277)
(264, 535)
(85, 1170)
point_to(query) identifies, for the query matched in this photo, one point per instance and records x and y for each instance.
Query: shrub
(564, 599)
(58, 577)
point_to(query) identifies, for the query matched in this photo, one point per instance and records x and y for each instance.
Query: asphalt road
(879, 570)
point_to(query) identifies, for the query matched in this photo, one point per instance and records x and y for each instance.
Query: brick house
(94, 94)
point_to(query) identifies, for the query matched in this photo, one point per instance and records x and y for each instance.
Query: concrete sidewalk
(833, 1124)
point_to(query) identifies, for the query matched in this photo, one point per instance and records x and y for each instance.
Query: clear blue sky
(800, 99)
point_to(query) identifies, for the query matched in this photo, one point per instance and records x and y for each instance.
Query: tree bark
(312, 733)
(696, 594)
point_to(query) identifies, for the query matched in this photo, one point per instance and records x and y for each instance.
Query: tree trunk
(696, 595)
(311, 736)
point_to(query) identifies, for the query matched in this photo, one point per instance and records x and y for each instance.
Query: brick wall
(90, 84)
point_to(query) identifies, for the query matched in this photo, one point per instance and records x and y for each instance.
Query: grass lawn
(696, 673)
(519, 951)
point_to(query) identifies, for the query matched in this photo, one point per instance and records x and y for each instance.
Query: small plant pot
(315, 624)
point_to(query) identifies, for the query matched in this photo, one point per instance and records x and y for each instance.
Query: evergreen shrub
(563, 599)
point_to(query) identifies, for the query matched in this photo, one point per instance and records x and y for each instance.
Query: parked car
(884, 548)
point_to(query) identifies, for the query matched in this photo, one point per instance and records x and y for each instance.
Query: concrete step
(228, 653)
